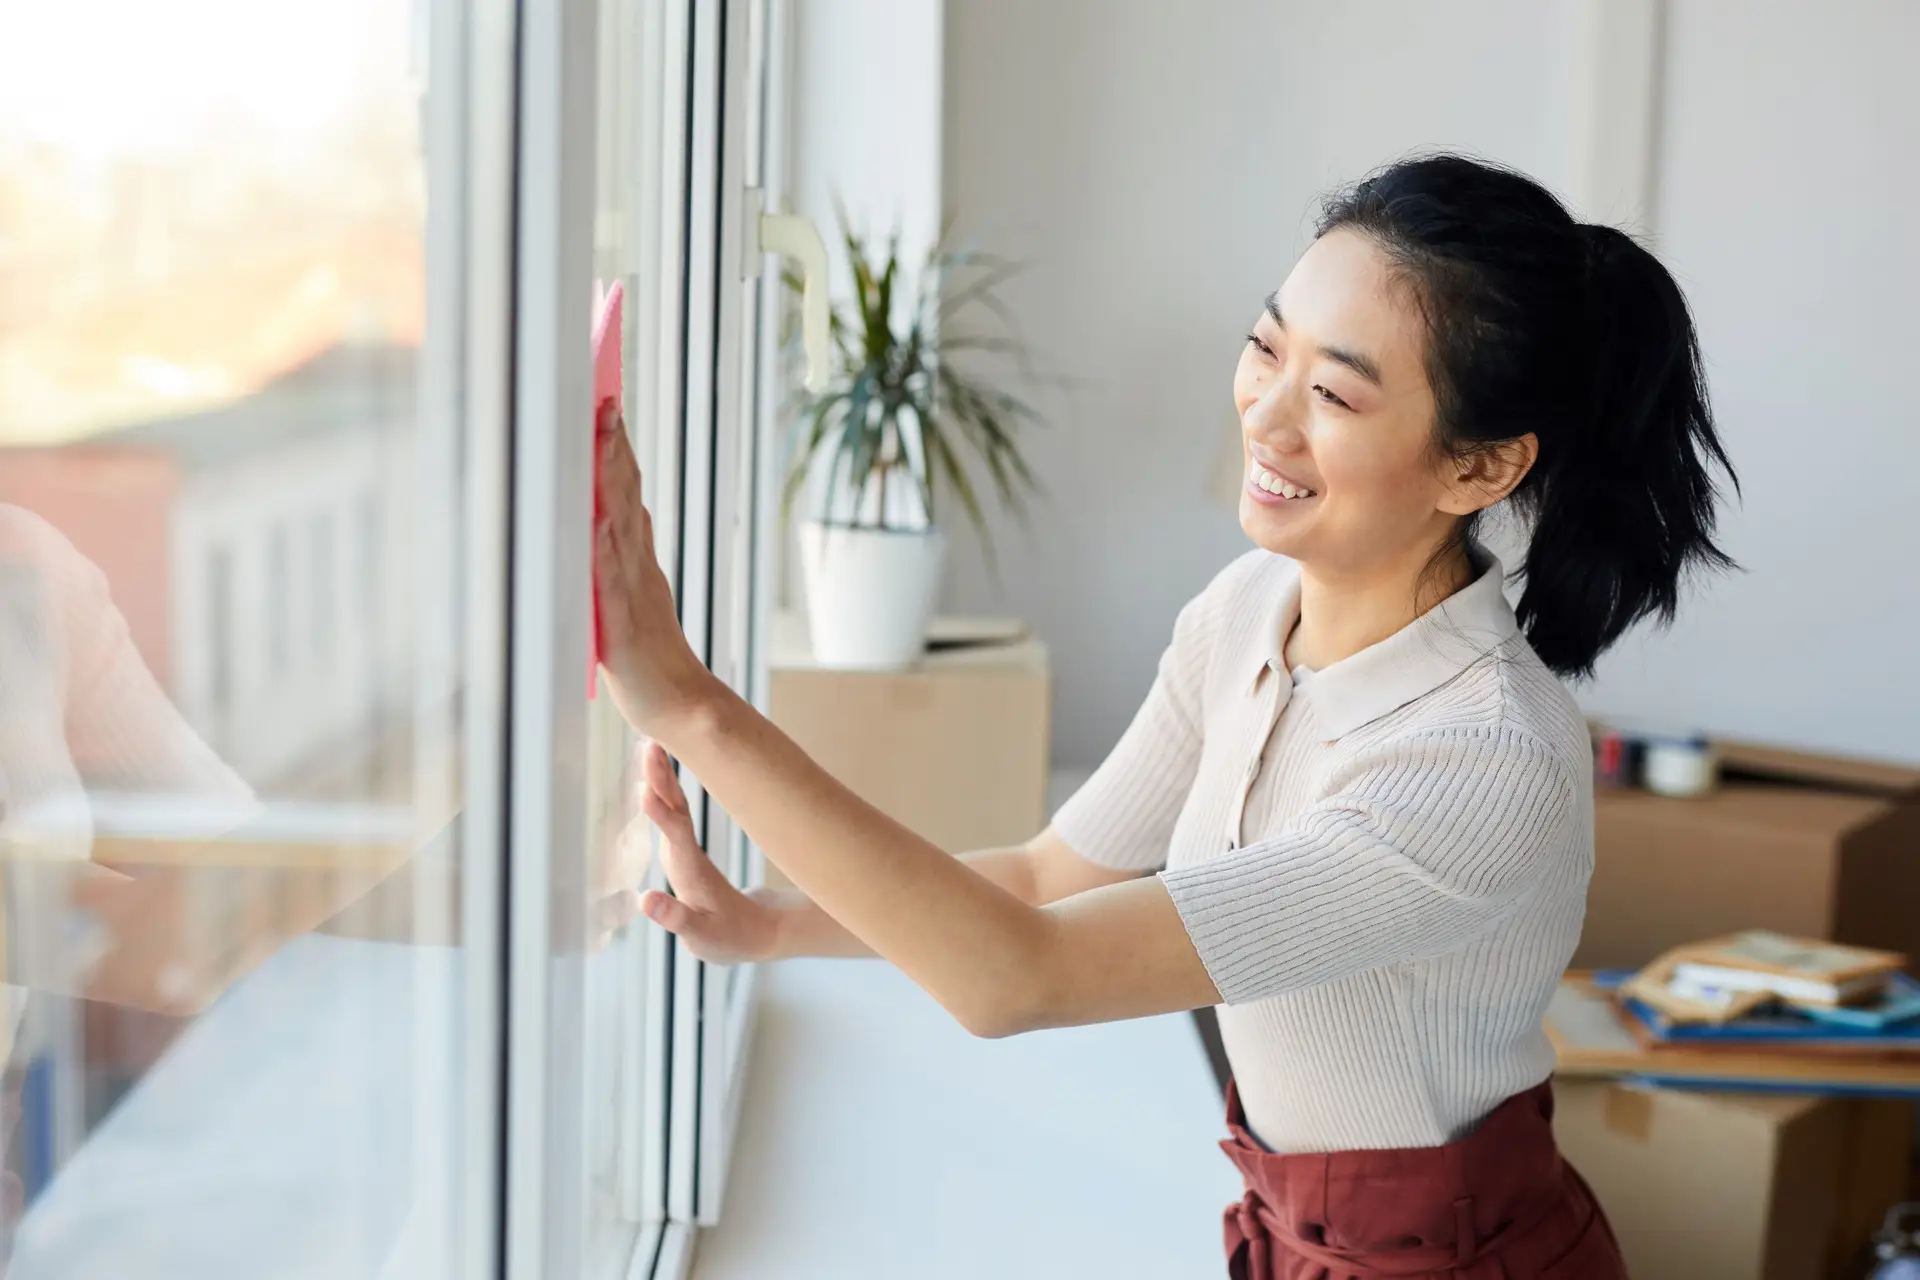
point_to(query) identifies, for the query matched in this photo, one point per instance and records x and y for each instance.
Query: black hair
(1574, 332)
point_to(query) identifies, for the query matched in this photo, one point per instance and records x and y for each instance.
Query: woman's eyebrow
(1353, 360)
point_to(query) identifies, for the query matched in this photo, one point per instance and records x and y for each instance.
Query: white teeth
(1272, 483)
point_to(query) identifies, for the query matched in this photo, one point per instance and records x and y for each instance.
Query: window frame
(701, 136)
(472, 123)
(547, 1192)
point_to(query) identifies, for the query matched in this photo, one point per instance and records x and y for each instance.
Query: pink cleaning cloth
(606, 386)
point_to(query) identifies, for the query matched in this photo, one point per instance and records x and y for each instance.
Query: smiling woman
(1337, 416)
(1379, 872)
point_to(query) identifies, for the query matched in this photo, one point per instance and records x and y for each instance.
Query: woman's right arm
(1123, 816)
(1041, 871)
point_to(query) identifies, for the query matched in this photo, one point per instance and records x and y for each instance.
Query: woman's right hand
(718, 922)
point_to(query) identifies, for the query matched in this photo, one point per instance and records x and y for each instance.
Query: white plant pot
(870, 592)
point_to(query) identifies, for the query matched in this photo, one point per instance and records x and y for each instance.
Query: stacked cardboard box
(954, 748)
(1814, 846)
(1705, 1184)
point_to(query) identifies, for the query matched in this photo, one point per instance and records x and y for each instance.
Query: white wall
(1157, 163)
(1788, 176)
(865, 120)
(865, 128)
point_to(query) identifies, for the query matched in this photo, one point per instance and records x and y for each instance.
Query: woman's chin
(1278, 530)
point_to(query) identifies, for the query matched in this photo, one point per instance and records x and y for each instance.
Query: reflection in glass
(232, 1048)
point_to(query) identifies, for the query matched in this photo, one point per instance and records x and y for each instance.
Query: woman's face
(1335, 410)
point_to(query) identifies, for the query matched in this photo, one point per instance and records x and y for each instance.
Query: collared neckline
(1412, 662)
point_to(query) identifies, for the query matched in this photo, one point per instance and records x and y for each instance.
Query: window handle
(792, 236)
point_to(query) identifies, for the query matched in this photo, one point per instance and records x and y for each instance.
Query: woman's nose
(1277, 418)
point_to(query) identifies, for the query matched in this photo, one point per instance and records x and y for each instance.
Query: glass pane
(759, 427)
(229, 713)
(620, 1105)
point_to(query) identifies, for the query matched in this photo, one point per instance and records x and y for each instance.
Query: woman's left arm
(999, 965)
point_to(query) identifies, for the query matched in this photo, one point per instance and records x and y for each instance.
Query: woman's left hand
(652, 672)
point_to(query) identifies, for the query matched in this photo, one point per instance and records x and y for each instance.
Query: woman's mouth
(1273, 487)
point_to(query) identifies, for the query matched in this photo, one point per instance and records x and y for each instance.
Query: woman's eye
(1327, 397)
(1260, 346)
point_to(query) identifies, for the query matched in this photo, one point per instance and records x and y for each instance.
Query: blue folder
(1892, 1022)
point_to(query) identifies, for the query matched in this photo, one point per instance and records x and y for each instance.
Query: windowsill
(877, 1138)
(245, 1151)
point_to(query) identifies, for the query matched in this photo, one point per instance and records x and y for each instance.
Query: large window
(232, 853)
(311, 844)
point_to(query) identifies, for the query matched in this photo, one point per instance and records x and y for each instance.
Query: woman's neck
(1341, 614)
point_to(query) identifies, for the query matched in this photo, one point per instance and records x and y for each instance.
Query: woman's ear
(1486, 476)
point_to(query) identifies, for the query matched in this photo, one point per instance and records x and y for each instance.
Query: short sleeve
(1423, 845)
(122, 731)
(1123, 816)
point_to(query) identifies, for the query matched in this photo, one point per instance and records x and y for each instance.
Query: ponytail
(1624, 504)
(1575, 333)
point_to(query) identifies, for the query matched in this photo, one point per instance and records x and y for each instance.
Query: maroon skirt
(1499, 1204)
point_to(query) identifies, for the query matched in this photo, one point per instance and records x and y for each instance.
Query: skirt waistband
(1453, 1209)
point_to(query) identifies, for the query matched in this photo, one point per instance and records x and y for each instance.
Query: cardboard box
(1705, 1186)
(1815, 846)
(1759, 762)
(956, 748)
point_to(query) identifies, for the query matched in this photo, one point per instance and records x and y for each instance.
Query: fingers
(688, 868)
(618, 502)
(628, 567)
(672, 914)
(707, 934)
(619, 470)
(625, 469)
(657, 774)
(675, 824)
(609, 576)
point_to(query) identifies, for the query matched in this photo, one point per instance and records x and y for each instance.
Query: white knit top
(1383, 868)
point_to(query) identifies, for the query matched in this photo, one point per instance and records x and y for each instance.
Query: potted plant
(899, 426)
